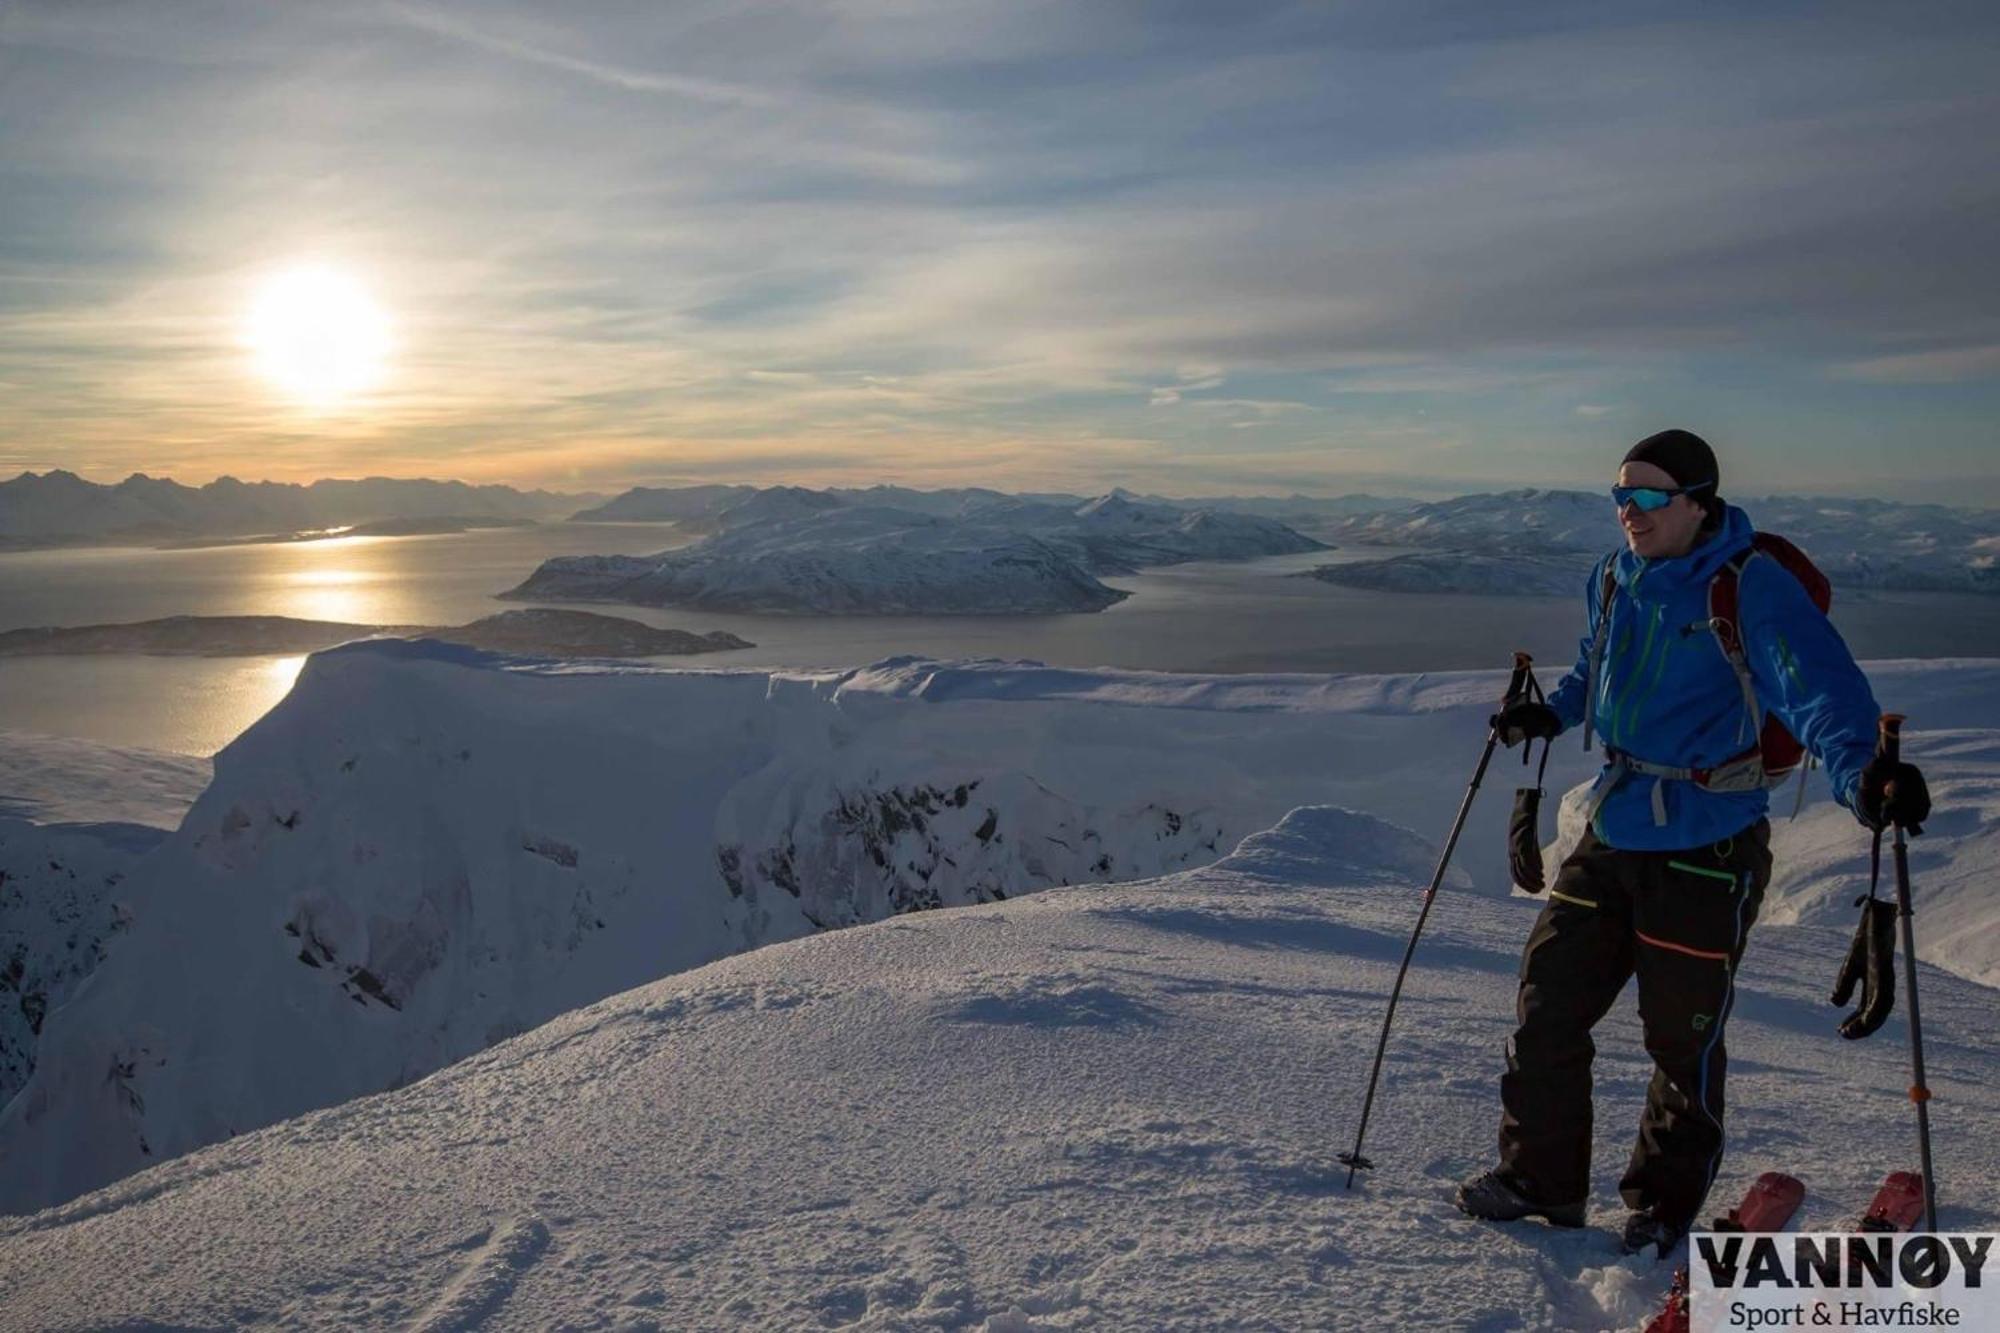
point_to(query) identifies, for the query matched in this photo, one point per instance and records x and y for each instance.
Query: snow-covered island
(794, 551)
(844, 562)
(533, 631)
(1105, 1091)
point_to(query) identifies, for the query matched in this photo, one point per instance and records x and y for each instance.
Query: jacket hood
(1653, 580)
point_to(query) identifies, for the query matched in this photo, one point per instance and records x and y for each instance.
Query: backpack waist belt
(1745, 772)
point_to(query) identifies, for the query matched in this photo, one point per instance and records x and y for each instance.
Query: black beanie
(1685, 457)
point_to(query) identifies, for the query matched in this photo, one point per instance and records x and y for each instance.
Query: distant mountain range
(711, 508)
(60, 508)
(816, 550)
(1529, 536)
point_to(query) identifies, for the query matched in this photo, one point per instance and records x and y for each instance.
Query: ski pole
(1889, 744)
(1352, 1159)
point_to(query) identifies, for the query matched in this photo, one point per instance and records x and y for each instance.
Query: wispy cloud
(1944, 366)
(1002, 233)
(486, 35)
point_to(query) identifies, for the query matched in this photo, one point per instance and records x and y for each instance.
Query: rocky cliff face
(874, 853)
(64, 900)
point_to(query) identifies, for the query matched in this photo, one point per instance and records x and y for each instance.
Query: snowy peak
(1119, 506)
(645, 504)
(776, 504)
(1330, 845)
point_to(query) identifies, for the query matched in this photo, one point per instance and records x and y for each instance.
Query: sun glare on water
(317, 336)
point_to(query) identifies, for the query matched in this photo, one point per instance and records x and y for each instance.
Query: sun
(316, 335)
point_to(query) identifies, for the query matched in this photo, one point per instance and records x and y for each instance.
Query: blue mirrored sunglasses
(1649, 498)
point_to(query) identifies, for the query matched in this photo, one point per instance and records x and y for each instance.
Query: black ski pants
(1678, 920)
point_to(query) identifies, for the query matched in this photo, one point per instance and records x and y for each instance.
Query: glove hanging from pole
(1871, 963)
(1524, 840)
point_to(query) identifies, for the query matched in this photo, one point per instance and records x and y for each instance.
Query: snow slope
(1100, 1107)
(63, 780)
(425, 850)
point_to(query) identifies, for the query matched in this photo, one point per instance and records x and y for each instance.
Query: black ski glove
(1525, 720)
(1871, 961)
(1524, 840)
(1892, 792)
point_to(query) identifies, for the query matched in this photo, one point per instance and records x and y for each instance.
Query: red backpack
(1774, 750)
(1780, 749)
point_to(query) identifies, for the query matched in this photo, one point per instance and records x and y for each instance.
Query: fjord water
(1198, 618)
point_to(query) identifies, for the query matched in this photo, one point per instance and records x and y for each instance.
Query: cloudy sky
(1186, 246)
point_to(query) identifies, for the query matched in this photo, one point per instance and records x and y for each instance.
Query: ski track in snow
(488, 1280)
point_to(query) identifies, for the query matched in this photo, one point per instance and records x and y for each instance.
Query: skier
(1670, 872)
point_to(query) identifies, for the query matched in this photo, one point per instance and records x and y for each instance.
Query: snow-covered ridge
(1104, 1107)
(785, 549)
(426, 849)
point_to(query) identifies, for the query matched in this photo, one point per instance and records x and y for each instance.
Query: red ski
(1897, 1205)
(1767, 1206)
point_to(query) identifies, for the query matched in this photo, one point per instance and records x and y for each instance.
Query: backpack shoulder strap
(1725, 623)
(1607, 585)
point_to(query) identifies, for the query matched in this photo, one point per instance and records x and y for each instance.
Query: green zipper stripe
(1628, 712)
(1607, 712)
(1580, 902)
(1722, 875)
(1613, 695)
(1659, 668)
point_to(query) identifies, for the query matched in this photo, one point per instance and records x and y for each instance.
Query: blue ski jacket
(1666, 694)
